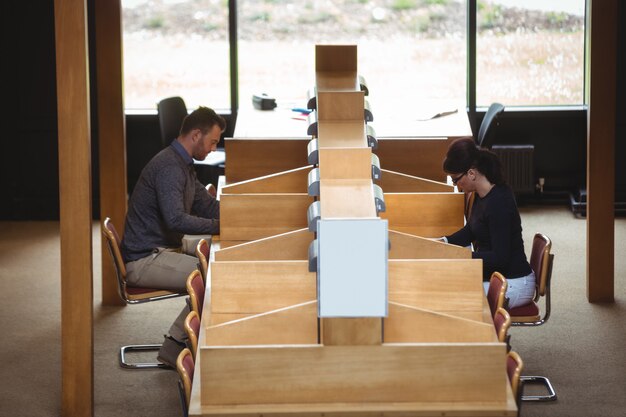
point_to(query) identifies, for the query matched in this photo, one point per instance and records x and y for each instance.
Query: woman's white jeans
(520, 291)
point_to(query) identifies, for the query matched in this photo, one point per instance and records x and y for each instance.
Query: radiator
(517, 166)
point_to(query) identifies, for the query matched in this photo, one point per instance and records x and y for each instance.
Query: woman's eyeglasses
(457, 179)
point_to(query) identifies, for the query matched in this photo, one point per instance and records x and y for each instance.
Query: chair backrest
(185, 368)
(202, 252)
(497, 292)
(171, 111)
(192, 328)
(541, 262)
(486, 133)
(514, 366)
(502, 322)
(113, 242)
(195, 289)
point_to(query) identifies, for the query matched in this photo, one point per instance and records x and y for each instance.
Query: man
(167, 202)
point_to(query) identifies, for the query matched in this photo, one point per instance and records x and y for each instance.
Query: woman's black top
(495, 229)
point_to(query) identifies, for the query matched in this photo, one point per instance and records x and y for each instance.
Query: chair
(486, 132)
(171, 111)
(496, 294)
(502, 323)
(185, 367)
(541, 261)
(132, 295)
(192, 328)
(195, 288)
(202, 252)
(514, 366)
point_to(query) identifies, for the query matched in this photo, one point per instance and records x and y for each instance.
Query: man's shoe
(169, 351)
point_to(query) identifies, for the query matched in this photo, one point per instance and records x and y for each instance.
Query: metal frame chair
(203, 250)
(195, 289)
(541, 261)
(514, 366)
(496, 294)
(502, 323)
(185, 367)
(192, 328)
(133, 295)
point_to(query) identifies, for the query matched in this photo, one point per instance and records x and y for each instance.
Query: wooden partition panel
(292, 181)
(420, 157)
(397, 182)
(245, 217)
(424, 214)
(290, 246)
(247, 288)
(441, 285)
(287, 326)
(407, 324)
(405, 246)
(285, 374)
(336, 59)
(255, 157)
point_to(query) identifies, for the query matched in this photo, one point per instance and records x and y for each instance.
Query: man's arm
(204, 205)
(170, 194)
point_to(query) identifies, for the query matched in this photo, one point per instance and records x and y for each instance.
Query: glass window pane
(176, 48)
(409, 51)
(530, 52)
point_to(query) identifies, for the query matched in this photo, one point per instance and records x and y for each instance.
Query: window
(409, 51)
(530, 52)
(176, 48)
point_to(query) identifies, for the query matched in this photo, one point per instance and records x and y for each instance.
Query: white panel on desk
(352, 267)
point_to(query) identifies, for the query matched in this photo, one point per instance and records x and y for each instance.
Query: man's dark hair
(202, 118)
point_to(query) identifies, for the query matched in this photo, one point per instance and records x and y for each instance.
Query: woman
(494, 225)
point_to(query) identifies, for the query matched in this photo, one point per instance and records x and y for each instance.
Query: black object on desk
(263, 102)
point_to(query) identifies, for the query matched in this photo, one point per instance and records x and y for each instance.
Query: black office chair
(486, 133)
(172, 111)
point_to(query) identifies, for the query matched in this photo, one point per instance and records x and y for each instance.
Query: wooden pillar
(75, 207)
(111, 132)
(601, 99)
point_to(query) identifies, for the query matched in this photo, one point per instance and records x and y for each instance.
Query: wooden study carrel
(328, 298)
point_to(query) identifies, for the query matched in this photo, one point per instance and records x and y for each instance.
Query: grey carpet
(581, 348)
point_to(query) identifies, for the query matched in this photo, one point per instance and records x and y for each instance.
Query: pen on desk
(445, 113)
(301, 110)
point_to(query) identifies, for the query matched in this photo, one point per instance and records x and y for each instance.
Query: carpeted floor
(581, 348)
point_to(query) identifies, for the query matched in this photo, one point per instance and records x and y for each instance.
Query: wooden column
(601, 96)
(75, 207)
(111, 132)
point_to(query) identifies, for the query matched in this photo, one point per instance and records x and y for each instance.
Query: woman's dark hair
(202, 118)
(463, 154)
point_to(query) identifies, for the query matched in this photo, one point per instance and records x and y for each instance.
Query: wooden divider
(407, 324)
(245, 217)
(315, 374)
(342, 134)
(424, 214)
(406, 246)
(291, 181)
(247, 288)
(287, 326)
(441, 285)
(290, 246)
(336, 193)
(254, 157)
(397, 182)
